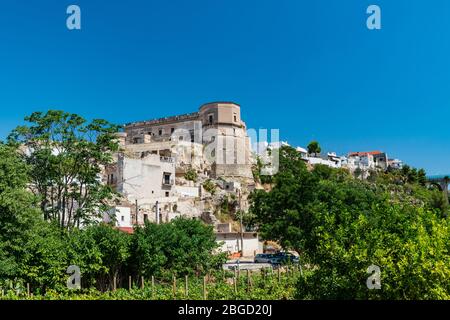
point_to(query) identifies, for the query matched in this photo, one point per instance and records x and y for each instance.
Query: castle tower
(226, 140)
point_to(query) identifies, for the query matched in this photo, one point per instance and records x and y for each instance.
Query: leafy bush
(209, 186)
(101, 252)
(191, 175)
(182, 246)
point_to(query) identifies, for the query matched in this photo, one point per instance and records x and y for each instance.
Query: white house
(230, 241)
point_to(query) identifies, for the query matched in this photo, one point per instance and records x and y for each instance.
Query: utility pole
(242, 225)
(137, 212)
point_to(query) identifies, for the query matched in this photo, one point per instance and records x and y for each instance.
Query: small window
(122, 218)
(166, 178)
(180, 138)
(167, 194)
(235, 117)
(160, 132)
(145, 217)
(172, 130)
(210, 118)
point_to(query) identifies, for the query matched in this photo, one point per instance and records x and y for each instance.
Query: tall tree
(343, 225)
(182, 246)
(314, 148)
(66, 155)
(17, 213)
(422, 177)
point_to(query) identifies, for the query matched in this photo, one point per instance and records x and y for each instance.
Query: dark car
(263, 258)
(286, 258)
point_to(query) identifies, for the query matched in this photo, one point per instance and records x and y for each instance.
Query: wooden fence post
(174, 287)
(28, 289)
(186, 286)
(153, 287)
(114, 283)
(129, 283)
(248, 280)
(279, 274)
(263, 274)
(204, 288)
(235, 284)
(142, 283)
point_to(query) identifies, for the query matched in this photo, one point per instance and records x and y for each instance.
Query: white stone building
(150, 169)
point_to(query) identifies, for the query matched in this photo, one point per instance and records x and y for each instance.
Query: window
(213, 138)
(191, 132)
(180, 138)
(210, 118)
(172, 130)
(111, 178)
(167, 194)
(166, 178)
(235, 117)
(145, 217)
(122, 218)
(160, 132)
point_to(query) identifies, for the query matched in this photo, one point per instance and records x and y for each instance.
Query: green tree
(279, 214)
(342, 225)
(45, 259)
(101, 251)
(66, 155)
(18, 216)
(314, 148)
(422, 177)
(181, 247)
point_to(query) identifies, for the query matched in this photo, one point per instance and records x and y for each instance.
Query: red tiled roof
(129, 230)
(359, 154)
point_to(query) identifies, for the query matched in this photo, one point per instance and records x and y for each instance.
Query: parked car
(263, 258)
(275, 261)
(286, 258)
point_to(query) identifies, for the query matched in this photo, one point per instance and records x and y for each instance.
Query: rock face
(194, 165)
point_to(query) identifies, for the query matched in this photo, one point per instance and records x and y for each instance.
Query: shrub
(209, 186)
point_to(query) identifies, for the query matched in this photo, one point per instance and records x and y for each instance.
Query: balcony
(167, 159)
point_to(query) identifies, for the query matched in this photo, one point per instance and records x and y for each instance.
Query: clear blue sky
(310, 68)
